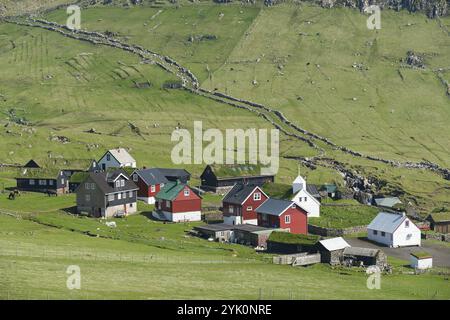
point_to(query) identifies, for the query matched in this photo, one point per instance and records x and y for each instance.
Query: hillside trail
(190, 83)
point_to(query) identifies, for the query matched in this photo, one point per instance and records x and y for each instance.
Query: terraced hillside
(344, 83)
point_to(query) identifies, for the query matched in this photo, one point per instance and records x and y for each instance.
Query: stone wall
(436, 236)
(333, 232)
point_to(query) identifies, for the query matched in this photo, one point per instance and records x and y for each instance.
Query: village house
(150, 182)
(116, 158)
(240, 203)
(440, 222)
(282, 214)
(329, 190)
(221, 178)
(332, 250)
(394, 230)
(304, 199)
(177, 202)
(31, 164)
(53, 181)
(107, 194)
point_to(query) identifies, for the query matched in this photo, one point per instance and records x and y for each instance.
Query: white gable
(298, 184)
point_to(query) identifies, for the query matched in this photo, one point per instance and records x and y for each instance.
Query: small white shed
(421, 260)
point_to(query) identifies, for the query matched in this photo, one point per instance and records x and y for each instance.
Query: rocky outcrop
(432, 8)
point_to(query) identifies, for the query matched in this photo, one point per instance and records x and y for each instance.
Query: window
(407, 224)
(62, 181)
(249, 208)
(88, 197)
(119, 196)
(306, 199)
(287, 219)
(87, 186)
(186, 193)
(257, 196)
(383, 234)
(108, 157)
(122, 183)
(300, 199)
(130, 194)
(93, 186)
(135, 177)
(293, 206)
(50, 182)
(118, 184)
(111, 197)
(375, 232)
(264, 217)
(167, 203)
(152, 188)
(124, 195)
(42, 182)
(230, 209)
(32, 182)
(131, 205)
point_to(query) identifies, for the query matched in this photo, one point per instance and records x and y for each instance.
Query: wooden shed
(440, 222)
(332, 250)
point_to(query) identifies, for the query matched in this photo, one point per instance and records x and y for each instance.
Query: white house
(116, 158)
(304, 199)
(421, 260)
(394, 230)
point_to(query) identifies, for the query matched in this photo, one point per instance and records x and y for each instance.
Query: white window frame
(122, 182)
(257, 196)
(87, 186)
(50, 182)
(249, 208)
(111, 197)
(135, 177)
(32, 182)
(87, 197)
(230, 209)
(187, 193)
(119, 196)
(168, 204)
(42, 182)
(118, 184)
(130, 194)
(287, 219)
(152, 188)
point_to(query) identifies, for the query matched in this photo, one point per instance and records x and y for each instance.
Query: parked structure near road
(355, 256)
(240, 203)
(282, 214)
(52, 181)
(394, 230)
(332, 250)
(221, 178)
(421, 260)
(304, 199)
(440, 222)
(107, 194)
(150, 182)
(177, 202)
(116, 158)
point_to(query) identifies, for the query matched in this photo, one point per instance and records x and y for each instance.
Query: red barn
(283, 214)
(150, 182)
(240, 203)
(178, 202)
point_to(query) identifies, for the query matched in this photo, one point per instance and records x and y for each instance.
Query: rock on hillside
(432, 8)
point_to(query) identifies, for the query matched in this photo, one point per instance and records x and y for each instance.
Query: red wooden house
(240, 202)
(150, 182)
(283, 214)
(178, 202)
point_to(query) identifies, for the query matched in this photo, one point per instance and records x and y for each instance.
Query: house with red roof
(177, 202)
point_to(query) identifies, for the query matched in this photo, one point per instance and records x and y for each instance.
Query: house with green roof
(177, 202)
(221, 178)
(54, 181)
(440, 221)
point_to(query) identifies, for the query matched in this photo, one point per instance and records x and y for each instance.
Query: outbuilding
(332, 250)
(421, 260)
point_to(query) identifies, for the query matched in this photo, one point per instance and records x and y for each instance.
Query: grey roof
(386, 222)
(274, 207)
(169, 173)
(239, 193)
(334, 244)
(101, 180)
(250, 228)
(362, 252)
(312, 190)
(215, 227)
(152, 176)
(121, 155)
(387, 202)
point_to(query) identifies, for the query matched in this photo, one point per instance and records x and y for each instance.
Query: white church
(304, 199)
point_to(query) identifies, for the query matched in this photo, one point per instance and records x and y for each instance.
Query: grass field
(145, 259)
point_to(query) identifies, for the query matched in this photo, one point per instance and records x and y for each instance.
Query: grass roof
(39, 173)
(278, 190)
(289, 238)
(441, 216)
(236, 170)
(421, 255)
(79, 177)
